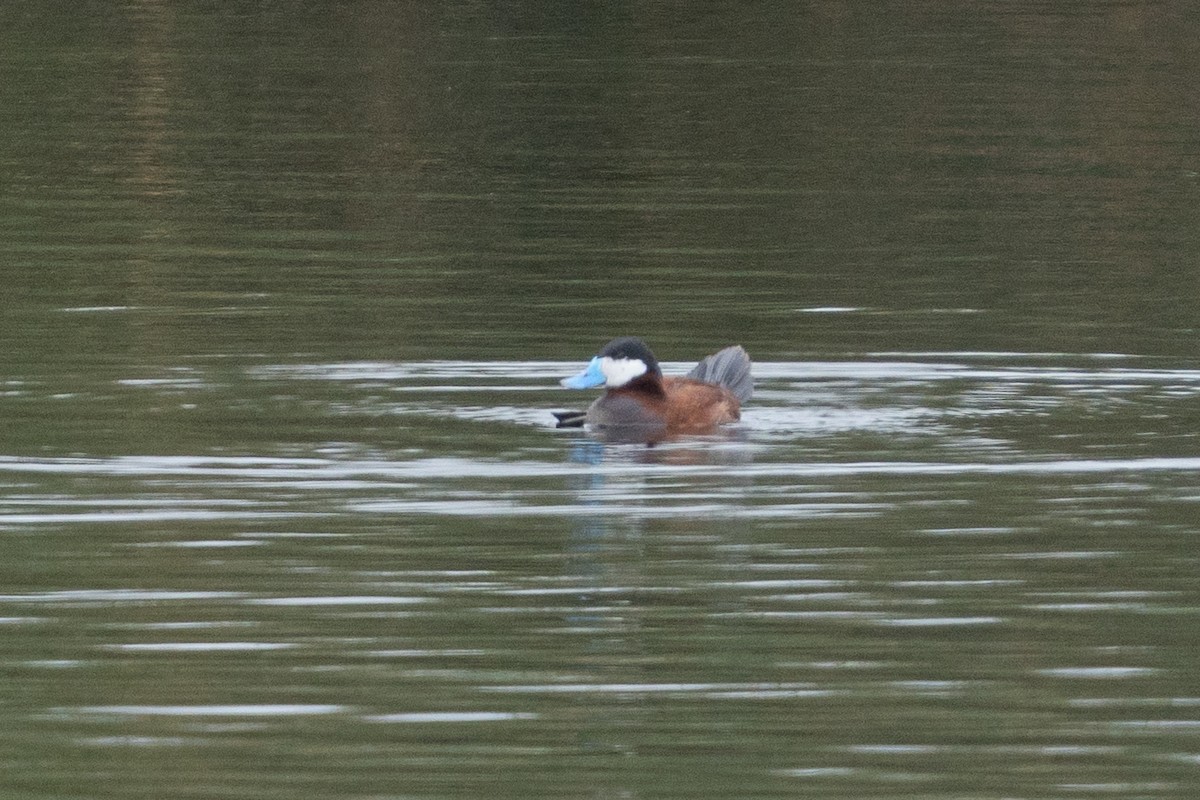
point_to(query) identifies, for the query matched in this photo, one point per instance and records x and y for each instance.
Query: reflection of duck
(642, 405)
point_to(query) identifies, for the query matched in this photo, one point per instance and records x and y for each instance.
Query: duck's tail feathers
(569, 419)
(729, 368)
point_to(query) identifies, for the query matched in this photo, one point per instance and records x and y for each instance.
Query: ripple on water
(229, 710)
(874, 544)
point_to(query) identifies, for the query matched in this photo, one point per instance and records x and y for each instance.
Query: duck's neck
(646, 383)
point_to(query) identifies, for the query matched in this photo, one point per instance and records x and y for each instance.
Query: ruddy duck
(641, 404)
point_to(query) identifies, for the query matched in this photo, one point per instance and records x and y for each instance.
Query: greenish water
(287, 289)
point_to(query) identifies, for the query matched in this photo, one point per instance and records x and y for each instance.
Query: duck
(641, 404)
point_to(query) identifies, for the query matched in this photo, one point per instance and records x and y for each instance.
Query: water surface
(287, 293)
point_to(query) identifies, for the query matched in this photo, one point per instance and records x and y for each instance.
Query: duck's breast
(619, 409)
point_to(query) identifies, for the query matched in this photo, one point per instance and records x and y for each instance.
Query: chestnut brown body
(643, 405)
(652, 406)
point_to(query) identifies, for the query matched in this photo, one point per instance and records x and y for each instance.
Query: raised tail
(729, 368)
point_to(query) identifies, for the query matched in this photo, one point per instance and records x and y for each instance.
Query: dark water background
(286, 291)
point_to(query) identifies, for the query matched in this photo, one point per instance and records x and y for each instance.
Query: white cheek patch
(620, 371)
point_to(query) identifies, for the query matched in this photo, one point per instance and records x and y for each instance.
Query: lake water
(287, 290)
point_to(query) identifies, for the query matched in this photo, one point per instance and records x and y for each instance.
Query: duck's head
(618, 362)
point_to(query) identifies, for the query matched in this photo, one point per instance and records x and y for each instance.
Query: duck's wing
(729, 368)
